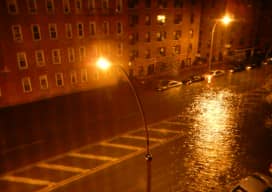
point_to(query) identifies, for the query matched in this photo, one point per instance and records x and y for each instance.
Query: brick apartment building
(50, 47)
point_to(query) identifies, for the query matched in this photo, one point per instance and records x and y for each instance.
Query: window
(133, 3)
(78, 6)
(82, 53)
(177, 35)
(120, 49)
(133, 20)
(176, 50)
(71, 55)
(26, 83)
(80, 30)
(106, 27)
(68, 31)
(192, 18)
(191, 33)
(147, 20)
(53, 31)
(91, 4)
(39, 55)
(119, 28)
(105, 4)
(147, 37)
(147, 3)
(49, 4)
(56, 59)
(178, 18)
(162, 51)
(73, 77)
(32, 6)
(12, 6)
(147, 53)
(190, 48)
(178, 3)
(133, 38)
(162, 3)
(59, 79)
(22, 61)
(133, 54)
(36, 32)
(161, 19)
(43, 82)
(119, 6)
(17, 32)
(92, 28)
(66, 6)
(161, 36)
(84, 76)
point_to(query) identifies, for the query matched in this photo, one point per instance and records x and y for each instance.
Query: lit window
(80, 30)
(59, 79)
(162, 51)
(71, 55)
(176, 49)
(17, 33)
(147, 37)
(177, 35)
(56, 58)
(147, 53)
(161, 36)
(191, 33)
(50, 6)
(147, 20)
(22, 61)
(39, 55)
(66, 6)
(36, 32)
(32, 6)
(82, 53)
(53, 31)
(68, 31)
(26, 83)
(84, 76)
(12, 6)
(161, 19)
(73, 77)
(92, 28)
(43, 82)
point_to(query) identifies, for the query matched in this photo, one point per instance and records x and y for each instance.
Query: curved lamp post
(225, 20)
(104, 64)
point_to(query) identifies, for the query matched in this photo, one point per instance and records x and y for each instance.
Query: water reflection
(213, 144)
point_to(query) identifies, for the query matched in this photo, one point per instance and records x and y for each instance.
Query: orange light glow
(103, 63)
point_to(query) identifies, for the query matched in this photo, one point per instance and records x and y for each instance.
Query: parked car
(193, 79)
(214, 73)
(166, 84)
(256, 182)
(237, 68)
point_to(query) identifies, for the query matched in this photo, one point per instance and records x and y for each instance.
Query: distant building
(49, 47)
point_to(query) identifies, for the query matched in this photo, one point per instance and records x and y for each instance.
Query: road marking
(121, 146)
(91, 156)
(142, 138)
(26, 180)
(164, 130)
(61, 167)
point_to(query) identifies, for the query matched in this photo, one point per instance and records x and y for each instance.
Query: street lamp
(225, 20)
(105, 64)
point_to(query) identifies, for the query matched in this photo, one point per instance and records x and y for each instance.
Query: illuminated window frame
(36, 33)
(32, 6)
(71, 55)
(40, 59)
(119, 28)
(119, 6)
(83, 76)
(80, 30)
(50, 6)
(12, 7)
(59, 79)
(78, 6)
(68, 31)
(22, 60)
(92, 28)
(73, 77)
(53, 32)
(43, 82)
(17, 33)
(26, 84)
(66, 6)
(56, 57)
(82, 53)
(161, 19)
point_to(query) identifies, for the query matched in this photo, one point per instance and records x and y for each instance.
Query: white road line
(61, 167)
(26, 180)
(121, 146)
(91, 156)
(142, 138)
(164, 130)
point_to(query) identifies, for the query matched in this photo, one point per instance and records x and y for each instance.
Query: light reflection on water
(212, 146)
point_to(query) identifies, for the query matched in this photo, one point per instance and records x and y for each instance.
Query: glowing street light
(104, 64)
(225, 20)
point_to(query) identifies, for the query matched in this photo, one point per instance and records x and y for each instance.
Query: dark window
(178, 19)
(178, 3)
(133, 20)
(132, 3)
(147, 3)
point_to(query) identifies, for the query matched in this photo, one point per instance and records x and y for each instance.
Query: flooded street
(227, 138)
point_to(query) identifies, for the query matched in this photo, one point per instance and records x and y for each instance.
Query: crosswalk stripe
(91, 156)
(26, 180)
(61, 167)
(121, 146)
(142, 138)
(164, 130)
